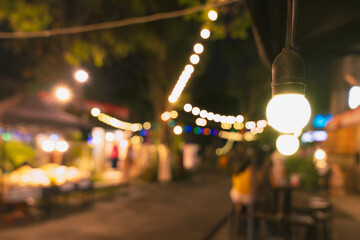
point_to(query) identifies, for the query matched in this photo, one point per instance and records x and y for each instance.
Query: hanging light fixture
(288, 111)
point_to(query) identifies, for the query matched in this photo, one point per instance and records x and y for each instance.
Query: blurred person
(114, 155)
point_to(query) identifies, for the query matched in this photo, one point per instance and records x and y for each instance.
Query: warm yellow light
(205, 33)
(198, 48)
(287, 144)
(178, 130)
(62, 94)
(95, 112)
(212, 15)
(238, 125)
(165, 116)
(320, 154)
(147, 125)
(226, 125)
(174, 114)
(81, 76)
(194, 59)
(48, 146)
(201, 122)
(187, 107)
(259, 129)
(288, 113)
(62, 146)
(195, 111)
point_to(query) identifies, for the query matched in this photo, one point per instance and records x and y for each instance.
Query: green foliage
(23, 16)
(305, 168)
(16, 154)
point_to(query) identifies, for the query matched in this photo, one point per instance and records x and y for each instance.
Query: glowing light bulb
(354, 97)
(178, 130)
(210, 116)
(165, 116)
(198, 48)
(212, 15)
(205, 33)
(189, 68)
(63, 94)
(48, 146)
(109, 136)
(287, 144)
(288, 113)
(81, 76)
(320, 154)
(62, 146)
(174, 114)
(147, 125)
(187, 107)
(195, 111)
(194, 59)
(95, 112)
(203, 113)
(239, 118)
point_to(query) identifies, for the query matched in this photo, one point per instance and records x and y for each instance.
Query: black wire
(290, 23)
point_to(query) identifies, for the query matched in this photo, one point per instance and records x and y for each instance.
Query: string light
(198, 48)
(212, 15)
(225, 149)
(194, 59)
(187, 107)
(205, 33)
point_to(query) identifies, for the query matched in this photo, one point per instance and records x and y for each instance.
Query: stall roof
(29, 109)
(345, 119)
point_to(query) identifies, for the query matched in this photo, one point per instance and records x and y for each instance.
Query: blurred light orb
(174, 114)
(187, 107)
(109, 136)
(238, 125)
(217, 117)
(287, 144)
(288, 113)
(212, 15)
(96, 140)
(250, 125)
(195, 111)
(320, 154)
(48, 146)
(210, 116)
(261, 123)
(239, 118)
(201, 122)
(187, 129)
(198, 48)
(124, 143)
(95, 112)
(147, 125)
(62, 146)
(354, 97)
(63, 94)
(205, 33)
(81, 76)
(172, 98)
(189, 68)
(178, 130)
(165, 116)
(203, 113)
(194, 59)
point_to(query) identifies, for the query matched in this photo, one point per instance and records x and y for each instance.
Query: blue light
(143, 132)
(319, 136)
(321, 120)
(187, 129)
(213, 132)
